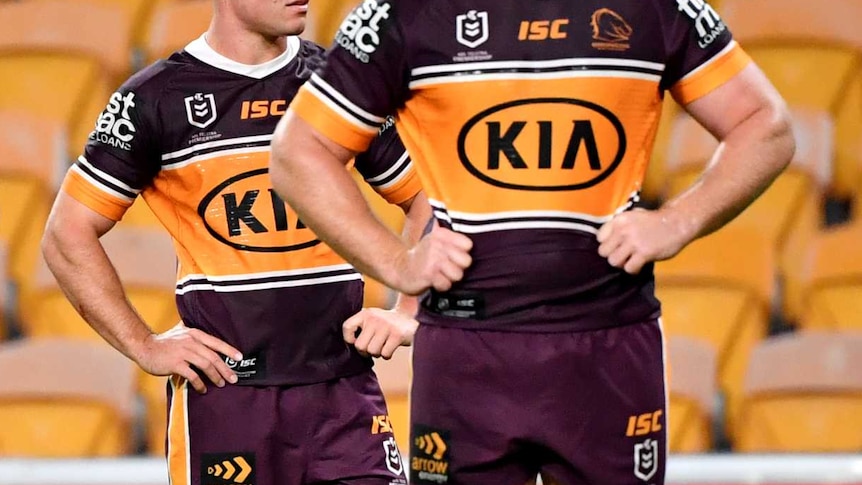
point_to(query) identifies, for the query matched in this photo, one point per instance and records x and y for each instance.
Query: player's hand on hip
(380, 332)
(632, 239)
(185, 352)
(437, 261)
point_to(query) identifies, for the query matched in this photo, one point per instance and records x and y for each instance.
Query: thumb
(351, 325)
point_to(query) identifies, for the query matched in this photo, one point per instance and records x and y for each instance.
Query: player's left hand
(632, 239)
(382, 331)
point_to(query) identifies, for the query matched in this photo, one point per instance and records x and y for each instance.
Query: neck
(238, 43)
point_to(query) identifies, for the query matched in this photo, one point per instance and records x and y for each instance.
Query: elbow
(781, 136)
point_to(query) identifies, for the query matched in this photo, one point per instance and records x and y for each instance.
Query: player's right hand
(180, 348)
(437, 261)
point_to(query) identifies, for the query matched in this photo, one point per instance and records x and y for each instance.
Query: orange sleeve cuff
(99, 201)
(404, 190)
(710, 75)
(330, 123)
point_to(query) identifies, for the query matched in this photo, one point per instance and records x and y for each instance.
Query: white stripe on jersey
(221, 153)
(397, 179)
(549, 64)
(268, 285)
(99, 185)
(267, 274)
(397, 166)
(348, 116)
(346, 102)
(106, 176)
(214, 144)
(712, 59)
(514, 76)
(492, 216)
(506, 226)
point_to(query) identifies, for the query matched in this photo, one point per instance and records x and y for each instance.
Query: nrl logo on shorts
(646, 459)
(471, 28)
(393, 457)
(201, 110)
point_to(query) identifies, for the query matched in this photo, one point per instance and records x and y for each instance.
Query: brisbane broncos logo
(610, 30)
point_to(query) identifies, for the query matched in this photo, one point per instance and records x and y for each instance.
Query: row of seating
(67, 398)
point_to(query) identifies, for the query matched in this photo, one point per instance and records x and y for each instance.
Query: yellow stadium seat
(692, 393)
(146, 263)
(34, 160)
(324, 18)
(5, 307)
(62, 398)
(394, 377)
(100, 30)
(803, 393)
(173, 24)
(811, 53)
(719, 289)
(69, 89)
(832, 284)
(137, 11)
(789, 211)
(153, 390)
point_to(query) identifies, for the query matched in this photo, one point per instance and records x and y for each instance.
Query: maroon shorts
(499, 407)
(335, 432)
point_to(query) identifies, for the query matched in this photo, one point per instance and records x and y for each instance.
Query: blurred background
(762, 319)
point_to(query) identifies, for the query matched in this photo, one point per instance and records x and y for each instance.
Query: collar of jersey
(202, 51)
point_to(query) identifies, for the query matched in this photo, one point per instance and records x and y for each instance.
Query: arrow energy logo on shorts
(429, 462)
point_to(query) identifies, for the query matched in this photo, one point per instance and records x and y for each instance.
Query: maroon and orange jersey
(530, 124)
(191, 134)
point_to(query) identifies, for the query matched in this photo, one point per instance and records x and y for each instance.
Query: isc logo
(645, 423)
(262, 109)
(543, 29)
(545, 144)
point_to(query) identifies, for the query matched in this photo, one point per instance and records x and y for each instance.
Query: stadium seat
(394, 377)
(324, 18)
(61, 398)
(692, 392)
(832, 283)
(803, 393)
(789, 211)
(719, 289)
(70, 90)
(137, 11)
(146, 263)
(154, 393)
(811, 52)
(101, 30)
(5, 290)
(173, 24)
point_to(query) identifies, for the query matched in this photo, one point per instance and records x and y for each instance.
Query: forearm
(417, 217)
(745, 164)
(91, 284)
(330, 203)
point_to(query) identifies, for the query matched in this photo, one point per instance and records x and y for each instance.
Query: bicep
(303, 142)
(73, 220)
(740, 98)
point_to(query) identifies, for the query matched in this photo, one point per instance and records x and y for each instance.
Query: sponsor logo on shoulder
(114, 126)
(706, 20)
(359, 34)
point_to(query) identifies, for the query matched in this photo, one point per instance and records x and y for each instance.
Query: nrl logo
(201, 110)
(471, 28)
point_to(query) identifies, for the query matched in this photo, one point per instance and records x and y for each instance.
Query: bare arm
(75, 255)
(751, 121)
(307, 171)
(418, 214)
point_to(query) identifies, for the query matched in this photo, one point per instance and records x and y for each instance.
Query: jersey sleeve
(120, 158)
(702, 54)
(363, 81)
(387, 167)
